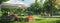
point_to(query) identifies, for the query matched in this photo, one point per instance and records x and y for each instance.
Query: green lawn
(42, 20)
(39, 19)
(45, 20)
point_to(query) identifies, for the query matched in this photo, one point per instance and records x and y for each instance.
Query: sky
(25, 2)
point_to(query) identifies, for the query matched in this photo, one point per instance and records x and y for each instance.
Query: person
(16, 18)
(30, 18)
(12, 17)
(5, 18)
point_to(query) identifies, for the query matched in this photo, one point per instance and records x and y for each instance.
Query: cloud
(14, 2)
(25, 2)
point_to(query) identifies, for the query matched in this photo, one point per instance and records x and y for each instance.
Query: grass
(45, 20)
(42, 20)
(39, 19)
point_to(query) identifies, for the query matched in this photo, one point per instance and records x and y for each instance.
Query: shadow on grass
(57, 21)
(6, 21)
(38, 19)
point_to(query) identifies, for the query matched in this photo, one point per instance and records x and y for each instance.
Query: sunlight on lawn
(45, 20)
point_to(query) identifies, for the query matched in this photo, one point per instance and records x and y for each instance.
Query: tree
(22, 0)
(49, 5)
(57, 4)
(3, 1)
(5, 11)
(35, 7)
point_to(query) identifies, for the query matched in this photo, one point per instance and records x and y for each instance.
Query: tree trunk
(51, 7)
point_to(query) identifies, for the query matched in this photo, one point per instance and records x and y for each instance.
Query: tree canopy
(3, 1)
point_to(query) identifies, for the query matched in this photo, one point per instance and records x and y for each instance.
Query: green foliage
(49, 5)
(3, 1)
(35, 7)
(21, 10)
(5, 9)
(46, 6)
